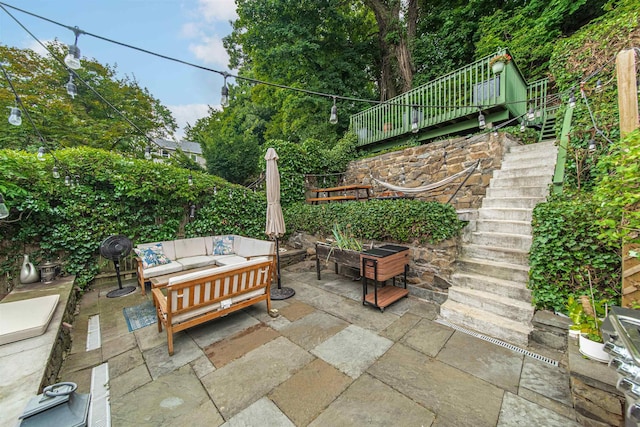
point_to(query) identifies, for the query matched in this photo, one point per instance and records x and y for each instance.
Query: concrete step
(502, 240)
(480, 282)
(496, 253)
(510, 308)
(540, 146)
(515, 332)
(522, 171)
(499, 226)
(549, 155)
(530, 191)
(505, 214)
(522, 181)
(512, 202)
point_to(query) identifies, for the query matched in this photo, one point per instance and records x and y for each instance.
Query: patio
(326, 360)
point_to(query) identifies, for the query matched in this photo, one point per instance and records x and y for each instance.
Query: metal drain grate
(498, 342)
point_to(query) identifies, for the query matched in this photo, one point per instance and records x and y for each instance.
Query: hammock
(428, 187)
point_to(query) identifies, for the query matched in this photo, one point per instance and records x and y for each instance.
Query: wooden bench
(349, 192)
(194, 298)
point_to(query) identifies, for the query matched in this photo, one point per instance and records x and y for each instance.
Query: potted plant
(498, 62)
(586, 315)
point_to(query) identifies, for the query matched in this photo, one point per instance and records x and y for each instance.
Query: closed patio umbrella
(275, 227)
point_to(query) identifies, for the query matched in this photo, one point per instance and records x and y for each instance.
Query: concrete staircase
(488, 292)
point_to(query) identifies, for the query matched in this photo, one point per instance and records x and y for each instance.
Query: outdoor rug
(140, 315)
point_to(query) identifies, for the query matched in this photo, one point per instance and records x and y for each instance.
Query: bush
(405, 221)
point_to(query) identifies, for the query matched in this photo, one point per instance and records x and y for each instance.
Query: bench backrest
(221, 285)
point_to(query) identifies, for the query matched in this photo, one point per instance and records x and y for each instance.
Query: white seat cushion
(196, 261)
(230, 260)
(159, 270)
(24, 319)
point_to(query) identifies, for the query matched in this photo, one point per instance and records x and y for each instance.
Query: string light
(572, 99)
(224, 98)
(531, 115)
(523, 126)
(592, 145)
(73, 57)
(67, 180)
(333, 119)
(190, 180)
(56, 172)
(599, 86)
(72, 90)
(414, 121)
(192, 211)
(147, 152)
(15, 117)
(41, 152)
(4, 211)
(481, 122)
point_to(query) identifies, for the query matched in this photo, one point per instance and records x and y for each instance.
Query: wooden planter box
(327, 253)
(390, 260)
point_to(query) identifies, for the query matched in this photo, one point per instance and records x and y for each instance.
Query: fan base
(120, 292)
(282, 293)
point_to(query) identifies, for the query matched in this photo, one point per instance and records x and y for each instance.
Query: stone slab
(221, 328)
(222, 352)
(261, 413)
(517, 411)
(546, 380)
(352, 350)
(160, 363)
(370, 402)
(313, 329)
(428, 337)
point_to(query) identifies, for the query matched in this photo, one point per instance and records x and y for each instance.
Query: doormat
(140, 315)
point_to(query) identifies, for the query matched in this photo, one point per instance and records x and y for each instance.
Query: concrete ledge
(27, 366)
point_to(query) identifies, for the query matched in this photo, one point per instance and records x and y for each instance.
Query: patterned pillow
(223, 245)
(152, 256)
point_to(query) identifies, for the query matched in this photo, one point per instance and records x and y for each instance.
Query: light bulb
(4, 212)
(190, 180)
(71, 88)
(599, 86)
(15, 118)
(147, 153)
(481, 122)
(531, 114)
(592, 145)
(333, 119)
(572, 101)
(414, 122)
(224, 95)
(73, 58)
(56, 173)
(192, 211)
(67, 180)
(522, 126)
(41, 154)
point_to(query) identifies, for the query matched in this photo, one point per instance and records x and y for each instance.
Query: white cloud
(211, 51)
(218, 10)
(37, 47)
(187, 114)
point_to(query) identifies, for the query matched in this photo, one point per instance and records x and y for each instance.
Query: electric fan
(115, 248)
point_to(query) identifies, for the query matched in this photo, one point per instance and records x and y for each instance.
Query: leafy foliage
(565, 242)
(86, 120)
(380, 220)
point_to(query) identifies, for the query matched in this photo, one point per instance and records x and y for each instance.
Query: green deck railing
(452, 103)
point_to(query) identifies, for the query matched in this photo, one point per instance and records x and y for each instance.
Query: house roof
(186, 146)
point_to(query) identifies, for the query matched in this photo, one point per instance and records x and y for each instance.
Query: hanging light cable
(333, 118)
(73, 57)
(224, 94)
(72, 90)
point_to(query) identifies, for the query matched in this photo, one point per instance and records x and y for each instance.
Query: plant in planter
(344, 249)
(498, 62)
(586, 315)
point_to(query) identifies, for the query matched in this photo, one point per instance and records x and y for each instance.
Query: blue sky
(190, 30)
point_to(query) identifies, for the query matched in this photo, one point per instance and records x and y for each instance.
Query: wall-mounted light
(41, 152)
(333, 118)
(224, 93)
(15, 117)
(4, 211)
(73, 56)
(72, 90)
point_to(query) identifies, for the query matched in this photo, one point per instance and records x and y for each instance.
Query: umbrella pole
(280, 293)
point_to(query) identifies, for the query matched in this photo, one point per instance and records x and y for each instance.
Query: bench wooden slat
(341, 188)
(332, 198)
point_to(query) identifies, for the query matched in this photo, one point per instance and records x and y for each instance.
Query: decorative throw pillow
(223, 245)
(152, 256)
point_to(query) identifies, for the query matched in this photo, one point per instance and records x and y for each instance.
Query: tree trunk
(395, 37)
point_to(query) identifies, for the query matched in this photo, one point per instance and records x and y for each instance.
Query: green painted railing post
(558, 176)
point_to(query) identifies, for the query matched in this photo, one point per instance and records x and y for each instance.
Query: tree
(85, 120)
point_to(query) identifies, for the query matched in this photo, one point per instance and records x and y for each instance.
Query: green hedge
(382, 220)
